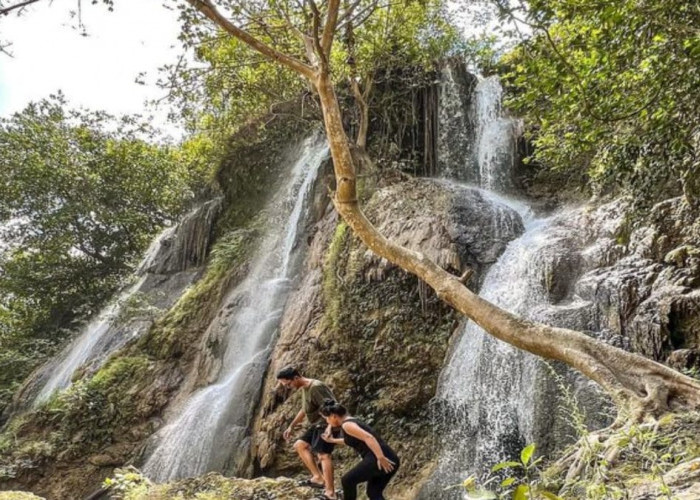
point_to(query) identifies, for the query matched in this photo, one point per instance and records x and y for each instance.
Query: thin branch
(348, 11)
(359, 18)
(316, 21)
(329, 28)
(208, 9)
(6, 10)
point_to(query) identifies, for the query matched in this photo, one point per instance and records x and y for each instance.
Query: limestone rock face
(645, 285)
(374, 333)
(616, 282)
(683, 482)
(187, 244)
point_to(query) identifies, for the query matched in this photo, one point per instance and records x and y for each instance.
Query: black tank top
(360, 446)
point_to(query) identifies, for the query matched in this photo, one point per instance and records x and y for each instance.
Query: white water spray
(210, 431)
(108, 331)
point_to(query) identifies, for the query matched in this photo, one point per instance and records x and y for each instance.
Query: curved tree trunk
(636, 383)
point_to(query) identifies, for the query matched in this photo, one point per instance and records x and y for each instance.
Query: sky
(97, 71)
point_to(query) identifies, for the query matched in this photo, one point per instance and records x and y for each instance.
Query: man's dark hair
(288, 373)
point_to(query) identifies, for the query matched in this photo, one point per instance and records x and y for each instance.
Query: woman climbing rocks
(379, 462)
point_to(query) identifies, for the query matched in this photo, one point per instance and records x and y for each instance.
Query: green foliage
(523, 486)
(609, 90)
(80, 420)
(414, 34)
(127, 484)
(645, 452)
(228, 85)
(85, 194)
(93, 409)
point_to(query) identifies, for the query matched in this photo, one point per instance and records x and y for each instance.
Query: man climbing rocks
(313, 394)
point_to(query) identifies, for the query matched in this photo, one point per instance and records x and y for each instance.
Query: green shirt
(312, 398)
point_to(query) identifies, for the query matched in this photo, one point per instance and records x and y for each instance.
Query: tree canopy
(229, 83)
(610, 91)
(81, 196)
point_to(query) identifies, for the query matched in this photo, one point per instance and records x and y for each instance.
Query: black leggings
(368, 471)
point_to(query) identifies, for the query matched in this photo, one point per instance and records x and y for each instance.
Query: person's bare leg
(327, 469)
(304, 450)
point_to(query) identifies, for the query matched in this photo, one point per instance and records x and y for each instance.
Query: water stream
(170, 264)
(492, 398)
(210, 431)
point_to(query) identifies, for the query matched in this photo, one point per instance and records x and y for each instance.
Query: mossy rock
(19, 495)
(212, 486)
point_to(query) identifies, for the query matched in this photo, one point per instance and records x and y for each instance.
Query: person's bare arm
(327, 436)
(297, 420)
(355, 430)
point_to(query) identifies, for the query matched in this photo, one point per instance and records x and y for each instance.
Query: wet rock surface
(586, 268)
(375, 334)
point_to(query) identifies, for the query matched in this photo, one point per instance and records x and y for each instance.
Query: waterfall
(477, 140)
(492, 398)
(496, 137)
(170, 264)
(456, 159)
(486, 392)
(210, 430)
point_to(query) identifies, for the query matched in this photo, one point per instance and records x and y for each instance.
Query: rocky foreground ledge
(129, 484)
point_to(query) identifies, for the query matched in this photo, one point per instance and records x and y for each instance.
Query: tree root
(600, 448)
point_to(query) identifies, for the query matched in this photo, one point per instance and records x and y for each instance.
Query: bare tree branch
(208, 9)
(316, 22)
(6, 10)
(348, 11)
(329, 28)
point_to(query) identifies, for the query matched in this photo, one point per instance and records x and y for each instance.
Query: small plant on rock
(522, 486)
(127, 483)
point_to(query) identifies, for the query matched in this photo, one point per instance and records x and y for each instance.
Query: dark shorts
(313, 437)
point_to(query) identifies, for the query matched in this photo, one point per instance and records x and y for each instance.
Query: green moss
(129, 484)
(119, 373)
(172, 334)
(18, 495)
(253, 164)
(81, 419)
(332, 293)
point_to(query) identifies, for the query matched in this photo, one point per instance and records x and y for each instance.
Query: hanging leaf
(527, 452)
(504, 465)
(507, 482)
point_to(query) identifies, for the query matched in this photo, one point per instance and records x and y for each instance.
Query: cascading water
(496, 137)
(209, 432)
(168, 267)
(490, 395)
(486, 392)
(477, 140)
